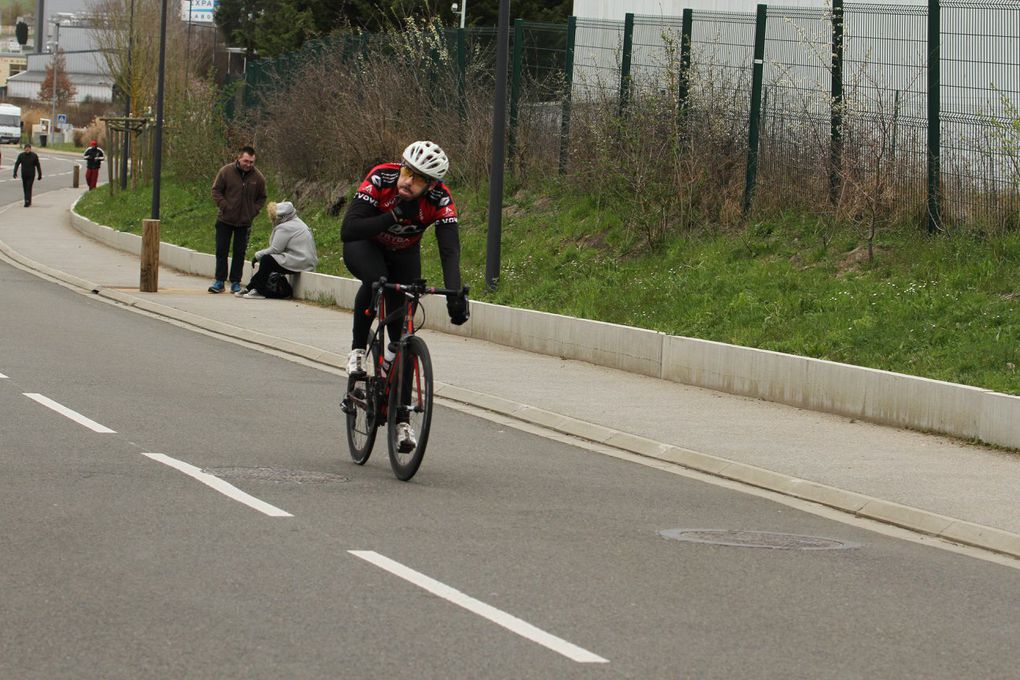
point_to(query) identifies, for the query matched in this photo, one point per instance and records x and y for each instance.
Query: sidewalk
(931, 484)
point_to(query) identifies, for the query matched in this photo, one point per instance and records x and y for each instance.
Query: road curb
(857, 504)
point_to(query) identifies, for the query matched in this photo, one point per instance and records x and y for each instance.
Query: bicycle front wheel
(360, 405)
(410, 409)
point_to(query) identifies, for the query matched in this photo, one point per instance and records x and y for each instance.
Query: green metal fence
(924, 97)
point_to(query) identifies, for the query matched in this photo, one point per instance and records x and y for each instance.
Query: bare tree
(65, 89)
(127, 33)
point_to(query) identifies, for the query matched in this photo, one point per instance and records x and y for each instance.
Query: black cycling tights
(369, 261)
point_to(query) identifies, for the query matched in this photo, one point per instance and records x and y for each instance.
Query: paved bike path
(923, 482)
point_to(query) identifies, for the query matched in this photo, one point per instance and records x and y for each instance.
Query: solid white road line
(218, 484)
(508, 621)
(73, 415)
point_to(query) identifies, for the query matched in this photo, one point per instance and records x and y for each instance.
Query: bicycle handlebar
(417, 289)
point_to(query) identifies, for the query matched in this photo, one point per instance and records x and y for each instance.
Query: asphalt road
(508, 556)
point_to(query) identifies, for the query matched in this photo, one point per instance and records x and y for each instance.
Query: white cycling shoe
(406, 443)
(356, 363)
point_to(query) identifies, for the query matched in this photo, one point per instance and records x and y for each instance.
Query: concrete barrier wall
(868, 394)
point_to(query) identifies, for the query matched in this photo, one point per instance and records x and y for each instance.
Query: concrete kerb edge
(48, 271)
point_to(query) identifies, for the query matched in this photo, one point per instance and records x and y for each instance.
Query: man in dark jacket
(239, 191)
(94, 157)
(28, 161)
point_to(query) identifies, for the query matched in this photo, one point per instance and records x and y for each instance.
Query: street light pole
(187, 63)
(56, 49)
(498, 153)
(157, 156)
(462, 8)
(149, 274)
(127, 102)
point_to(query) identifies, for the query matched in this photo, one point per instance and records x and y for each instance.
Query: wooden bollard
(75, 181)
(150, 257)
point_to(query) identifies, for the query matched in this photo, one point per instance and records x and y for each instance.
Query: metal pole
(127, 103)
(934, 118)
(463, 12)
(684, 77)
(754, 124)
(498, 149)
(836, 113)
(568, 90)
(157, 160)
(56, 49)
(628, 47)
(187, 62)
(40, 27)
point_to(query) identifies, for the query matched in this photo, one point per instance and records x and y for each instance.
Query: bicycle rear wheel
(411, 403)
(361, 408)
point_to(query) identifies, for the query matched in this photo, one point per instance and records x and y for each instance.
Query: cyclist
(381, 232)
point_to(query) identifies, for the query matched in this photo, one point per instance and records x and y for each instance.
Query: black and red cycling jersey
(369, 218)
(379, 190)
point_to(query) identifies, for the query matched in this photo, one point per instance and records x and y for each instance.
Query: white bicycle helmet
(427, 158)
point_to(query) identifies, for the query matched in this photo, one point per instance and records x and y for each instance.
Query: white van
(10, 124)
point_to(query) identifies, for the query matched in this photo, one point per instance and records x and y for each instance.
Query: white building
(85, 67)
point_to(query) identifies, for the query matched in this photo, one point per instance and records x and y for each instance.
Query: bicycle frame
(399, 394)
(413, 293)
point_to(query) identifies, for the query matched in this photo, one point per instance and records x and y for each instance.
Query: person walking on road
(94, 157)
(239, 192)
(28, 161)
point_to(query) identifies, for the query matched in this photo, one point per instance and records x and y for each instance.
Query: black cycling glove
(406, 210)
(457, 308)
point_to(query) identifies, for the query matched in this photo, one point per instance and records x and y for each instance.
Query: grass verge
(944, 308)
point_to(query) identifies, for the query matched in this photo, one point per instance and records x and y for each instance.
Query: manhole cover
(270, 474)
(756, 539)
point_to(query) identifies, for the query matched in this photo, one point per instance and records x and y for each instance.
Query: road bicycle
(396, 391)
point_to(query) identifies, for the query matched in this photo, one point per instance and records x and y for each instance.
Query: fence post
(684, 76)
(895, 124)
(568, 90)
(462, 73)
(515, 86)
(754, 124)
(934, 118)
(836, 126)
(628, 47)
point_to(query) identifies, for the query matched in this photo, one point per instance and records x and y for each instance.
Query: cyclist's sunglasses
(406, 171)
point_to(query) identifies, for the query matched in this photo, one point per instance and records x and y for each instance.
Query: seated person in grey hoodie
(291, 250)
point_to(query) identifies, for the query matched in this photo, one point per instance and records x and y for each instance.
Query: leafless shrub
(195, 131)
(359, 102)
(669, 168)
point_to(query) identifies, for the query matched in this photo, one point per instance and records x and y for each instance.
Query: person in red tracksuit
(94, 157)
